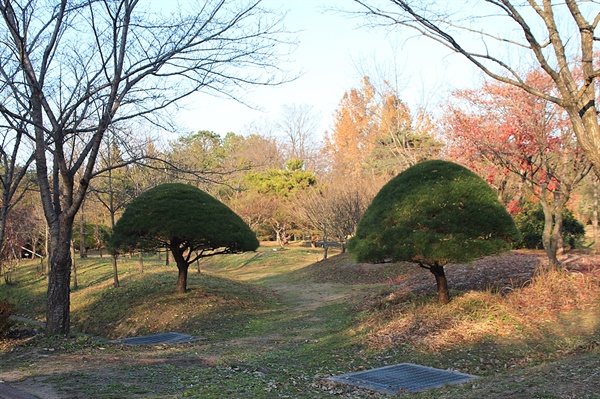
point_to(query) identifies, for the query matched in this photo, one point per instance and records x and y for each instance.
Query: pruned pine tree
(186, 220)
(433, 213)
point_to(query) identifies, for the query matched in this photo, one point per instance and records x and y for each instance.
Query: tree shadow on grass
(147, 304)
(512, 269)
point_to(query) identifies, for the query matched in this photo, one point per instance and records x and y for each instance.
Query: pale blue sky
(331, 45)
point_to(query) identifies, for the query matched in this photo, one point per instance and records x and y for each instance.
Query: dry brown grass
(547, 304)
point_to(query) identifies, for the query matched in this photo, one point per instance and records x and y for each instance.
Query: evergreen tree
(185, 219)
(433, 213)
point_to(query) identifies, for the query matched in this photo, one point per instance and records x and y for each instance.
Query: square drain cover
(157, 339)
(402, 377)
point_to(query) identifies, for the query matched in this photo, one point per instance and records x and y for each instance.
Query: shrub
(6, 310)
(94, 234)
(530, 223)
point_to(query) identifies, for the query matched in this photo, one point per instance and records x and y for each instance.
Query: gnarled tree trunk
(182, 267)
(441, 282)
(440, 279)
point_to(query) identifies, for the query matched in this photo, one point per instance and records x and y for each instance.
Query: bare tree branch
(71, 69)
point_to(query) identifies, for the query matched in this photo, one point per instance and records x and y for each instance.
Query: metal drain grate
(157, 339)
(402, 377)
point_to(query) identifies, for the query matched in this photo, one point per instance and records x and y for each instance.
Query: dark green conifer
(433, 213)
(185, 219)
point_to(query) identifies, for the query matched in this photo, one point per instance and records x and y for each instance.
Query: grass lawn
(276, 323)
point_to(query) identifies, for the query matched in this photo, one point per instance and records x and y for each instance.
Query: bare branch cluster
(71, 69)
(506, 38)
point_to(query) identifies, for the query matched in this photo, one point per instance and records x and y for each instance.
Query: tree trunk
(58, 303)
(141, 262)
(584, 120)
(280, 232)
(47, 253)
(115, 271)
(552, 231)
(98, 239)
(560, 245)
(182, 278)
(82, 250)
(182, 267)
(441, 282)
(178, 250)
(3, 216)
(74, 267)
(279, 239)
(112, 211)
(595, 215)
(325, 244)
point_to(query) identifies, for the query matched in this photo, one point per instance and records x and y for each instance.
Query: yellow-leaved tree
(376, 135)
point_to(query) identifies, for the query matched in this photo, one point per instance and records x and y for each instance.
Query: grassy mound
(342, 269)
(147, 304)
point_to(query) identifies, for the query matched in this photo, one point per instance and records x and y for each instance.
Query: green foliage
(282, 182)
(199, 151)
(184, 213)
(434, 212)
(94, 234)
(294, 165)
(530, 223)
(6, 310)
(399, 145)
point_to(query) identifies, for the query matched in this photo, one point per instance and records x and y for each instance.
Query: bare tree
(501, 36)
(298, 124)
(16, 157)
(71, 68)
(334, 210)
(21, 234)
(315, 208)
(349, 203)
(112, 186)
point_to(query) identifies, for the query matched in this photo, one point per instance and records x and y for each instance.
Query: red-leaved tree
(526, 136)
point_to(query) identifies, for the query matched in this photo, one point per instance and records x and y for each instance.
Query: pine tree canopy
(181, 213)
(435, 212)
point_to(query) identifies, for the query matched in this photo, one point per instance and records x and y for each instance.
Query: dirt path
(308, 297)
(303, 315)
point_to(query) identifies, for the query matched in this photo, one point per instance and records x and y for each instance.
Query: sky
(333, 52)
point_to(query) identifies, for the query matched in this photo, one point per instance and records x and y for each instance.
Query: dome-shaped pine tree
(184, 219)
(433, 213)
